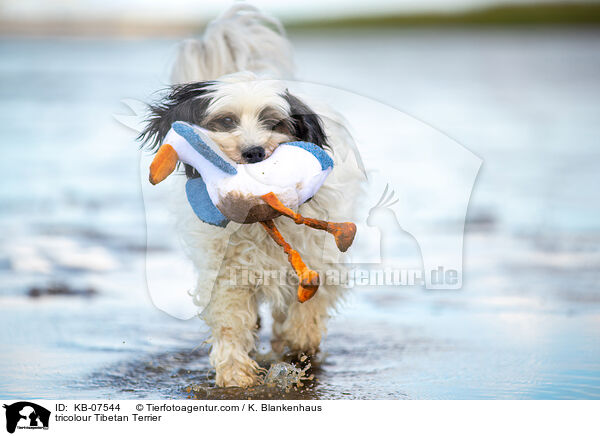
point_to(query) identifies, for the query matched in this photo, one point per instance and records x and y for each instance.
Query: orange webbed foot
(309, 284)
(344, 234)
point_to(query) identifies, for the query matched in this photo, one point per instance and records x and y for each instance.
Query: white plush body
(292, 173)
(238, 49)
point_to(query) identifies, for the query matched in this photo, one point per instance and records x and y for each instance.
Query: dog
(232, 83)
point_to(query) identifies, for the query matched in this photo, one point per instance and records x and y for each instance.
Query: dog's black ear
(306, 124)
(182, 103)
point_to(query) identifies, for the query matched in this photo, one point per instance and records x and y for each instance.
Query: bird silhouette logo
(416, 226)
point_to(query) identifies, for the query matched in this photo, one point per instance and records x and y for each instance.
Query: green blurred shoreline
(502, 15)
(542, 14)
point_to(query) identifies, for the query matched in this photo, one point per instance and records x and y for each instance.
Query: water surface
(525, 325)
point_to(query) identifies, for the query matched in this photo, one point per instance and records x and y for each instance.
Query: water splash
(287, 376)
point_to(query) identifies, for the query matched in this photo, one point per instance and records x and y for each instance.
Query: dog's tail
(241, 39)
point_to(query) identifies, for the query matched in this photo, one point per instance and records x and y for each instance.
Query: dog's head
(246, 117)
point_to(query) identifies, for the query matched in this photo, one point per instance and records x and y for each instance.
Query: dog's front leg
(305, 324)
(232, 316)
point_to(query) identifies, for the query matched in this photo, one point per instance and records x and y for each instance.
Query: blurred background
(517, 83)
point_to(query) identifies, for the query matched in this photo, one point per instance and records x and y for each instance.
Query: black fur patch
(183, 103)
(306, 124)
(188, 103)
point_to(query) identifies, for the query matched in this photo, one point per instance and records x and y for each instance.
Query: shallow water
(525, 324)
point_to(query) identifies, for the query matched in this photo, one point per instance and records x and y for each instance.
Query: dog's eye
(273, 124)
(223, 123)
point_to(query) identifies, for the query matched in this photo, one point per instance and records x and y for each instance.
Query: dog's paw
(238, 375)
(303, 340)
(298, 351)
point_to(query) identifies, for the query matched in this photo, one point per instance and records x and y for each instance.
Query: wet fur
(234, 69)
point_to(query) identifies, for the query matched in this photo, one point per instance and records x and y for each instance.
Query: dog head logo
(26, 415)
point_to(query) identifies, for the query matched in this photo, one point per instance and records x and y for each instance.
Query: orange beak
(164, 163)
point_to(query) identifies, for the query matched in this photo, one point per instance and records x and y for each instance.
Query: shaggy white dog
(231, 82)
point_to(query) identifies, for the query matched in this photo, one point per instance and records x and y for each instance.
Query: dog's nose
(254, 154)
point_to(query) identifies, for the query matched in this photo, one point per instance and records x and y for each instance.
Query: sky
(203, 10)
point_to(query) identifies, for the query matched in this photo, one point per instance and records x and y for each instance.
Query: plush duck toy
(249, 193)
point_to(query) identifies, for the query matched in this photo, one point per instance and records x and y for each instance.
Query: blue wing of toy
(188, 132)
(201, 203)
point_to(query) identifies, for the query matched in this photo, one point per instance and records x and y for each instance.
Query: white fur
(241, 39)
(240, 42)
